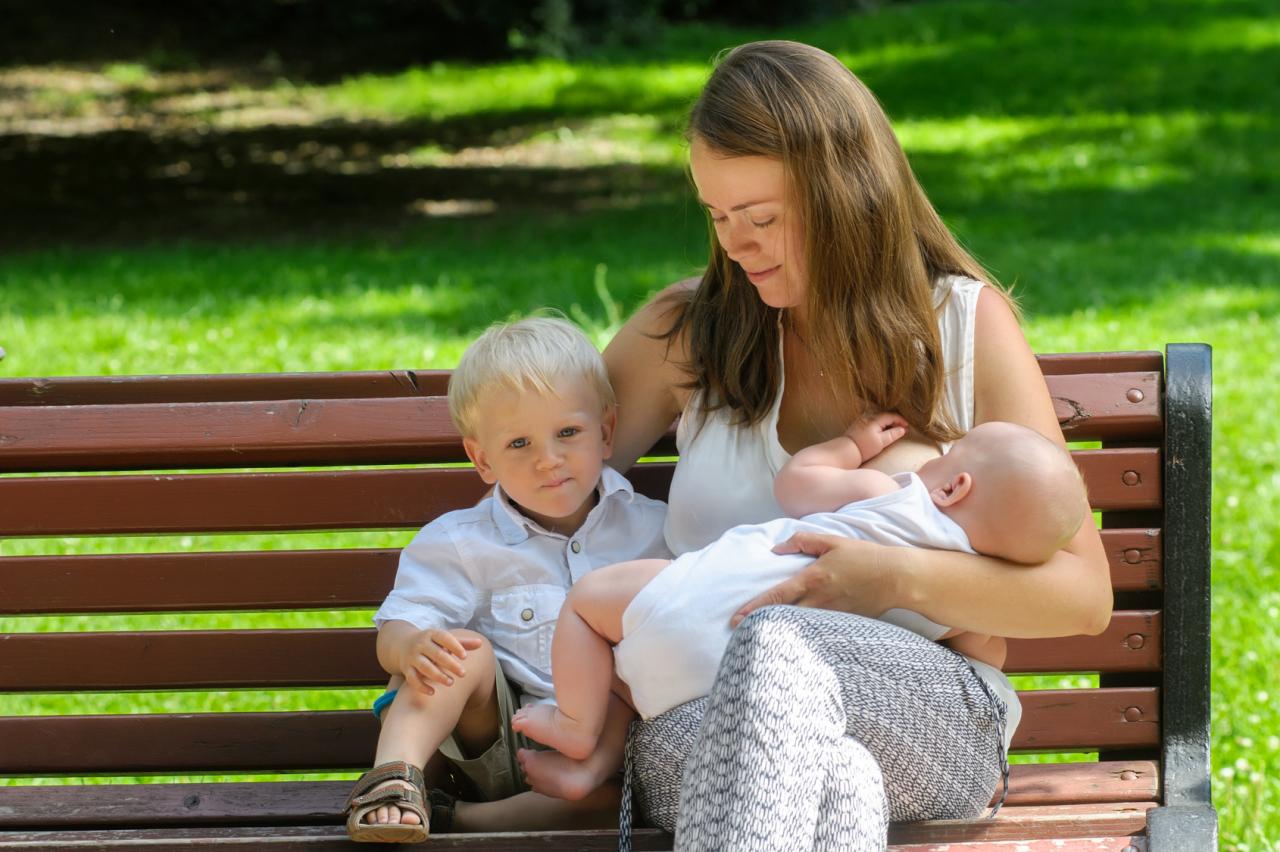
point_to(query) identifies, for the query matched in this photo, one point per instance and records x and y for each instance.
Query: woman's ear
(608, 423)
(952, 491)
(478, 458)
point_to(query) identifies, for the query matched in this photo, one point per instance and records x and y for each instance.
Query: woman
(833, 287)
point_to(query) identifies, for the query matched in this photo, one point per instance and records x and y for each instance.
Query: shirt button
(575, 546)
(527, 615)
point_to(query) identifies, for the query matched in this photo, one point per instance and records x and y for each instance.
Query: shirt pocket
(525, 621)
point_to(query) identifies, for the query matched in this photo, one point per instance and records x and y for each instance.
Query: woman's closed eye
(766, 223)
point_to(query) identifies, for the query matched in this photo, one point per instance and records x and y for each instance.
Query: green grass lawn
(1119, 162)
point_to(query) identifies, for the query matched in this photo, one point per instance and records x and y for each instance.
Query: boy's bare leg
(553, 774)
(590, 625)
(415, 724)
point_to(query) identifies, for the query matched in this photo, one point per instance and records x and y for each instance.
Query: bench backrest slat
(339, 739)
(248, 659)
(315, 579)
(369, 499)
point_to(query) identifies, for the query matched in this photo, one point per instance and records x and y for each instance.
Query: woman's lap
(918, 708)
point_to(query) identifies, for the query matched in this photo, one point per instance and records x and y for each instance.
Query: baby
(1003, 490)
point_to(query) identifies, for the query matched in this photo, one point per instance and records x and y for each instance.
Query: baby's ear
(477, 455)
(608, 423)
(952, 491)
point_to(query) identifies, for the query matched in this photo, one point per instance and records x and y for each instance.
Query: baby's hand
(875, 433)
(435, 657)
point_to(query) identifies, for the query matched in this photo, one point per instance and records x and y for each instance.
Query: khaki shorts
(495, 772)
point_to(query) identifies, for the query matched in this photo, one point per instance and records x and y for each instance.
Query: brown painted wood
(1118, 406)
(1136, 559)
(1069, 363)
(254, 502)
(321, 802)
(1030, 823)
(1054, 720)
(157, 582)
(312, 579)
(198, 659)
(214, 742)
(393, 430)
(1121, 479)
(1083, 783)
(1089, 720)
(229, 387)
(1122, 843)
(279, 433)
(1131, 643)
(249, 659)
(319, 838)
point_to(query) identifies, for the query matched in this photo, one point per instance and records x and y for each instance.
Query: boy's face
(546, 451)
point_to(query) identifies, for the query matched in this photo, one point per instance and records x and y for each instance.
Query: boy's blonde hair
(530, 354)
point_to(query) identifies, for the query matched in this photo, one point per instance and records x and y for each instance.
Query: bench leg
(1182, 828)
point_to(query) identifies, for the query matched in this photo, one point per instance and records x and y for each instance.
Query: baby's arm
(826, 476)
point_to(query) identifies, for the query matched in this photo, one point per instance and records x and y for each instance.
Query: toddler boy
(467, 629)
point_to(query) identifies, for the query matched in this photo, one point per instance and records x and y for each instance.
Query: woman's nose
(736, 242)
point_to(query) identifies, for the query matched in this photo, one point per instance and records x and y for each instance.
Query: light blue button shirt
(492, 570)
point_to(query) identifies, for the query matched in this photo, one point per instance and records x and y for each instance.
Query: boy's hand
(435, 657)
(873, 434)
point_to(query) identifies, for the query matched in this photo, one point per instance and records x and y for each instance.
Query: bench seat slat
(228, 659)
(367, 499)
(1053, 720)
(319, 802)
(1073, 825)
(313, 579)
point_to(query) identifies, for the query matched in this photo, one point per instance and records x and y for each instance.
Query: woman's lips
(757, 277)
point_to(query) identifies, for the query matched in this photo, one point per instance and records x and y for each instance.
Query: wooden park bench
(344, 451)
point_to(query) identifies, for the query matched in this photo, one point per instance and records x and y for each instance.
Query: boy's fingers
(456, 646)
(428, 671)
(447, 662)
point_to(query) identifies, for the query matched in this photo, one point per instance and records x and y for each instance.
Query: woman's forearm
(1068, 595)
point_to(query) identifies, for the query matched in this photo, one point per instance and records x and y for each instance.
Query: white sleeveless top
(724, 476)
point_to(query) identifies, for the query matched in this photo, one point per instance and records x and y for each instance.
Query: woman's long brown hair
(874, 246)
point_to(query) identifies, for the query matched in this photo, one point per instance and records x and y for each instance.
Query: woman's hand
(849, 575)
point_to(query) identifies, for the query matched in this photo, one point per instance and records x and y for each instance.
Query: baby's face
(546, 450)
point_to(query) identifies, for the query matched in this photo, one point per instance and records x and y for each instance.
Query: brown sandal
(411, 798)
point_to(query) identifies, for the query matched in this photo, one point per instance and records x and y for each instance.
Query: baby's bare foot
(546, 724)
(552, 774)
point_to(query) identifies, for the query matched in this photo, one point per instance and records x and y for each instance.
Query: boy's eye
(519, 443)
(569, 431)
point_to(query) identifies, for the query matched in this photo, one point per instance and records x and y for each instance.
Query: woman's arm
(1069, 594)
(646, 375)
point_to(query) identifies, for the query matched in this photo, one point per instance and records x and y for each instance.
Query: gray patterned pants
(822, 728)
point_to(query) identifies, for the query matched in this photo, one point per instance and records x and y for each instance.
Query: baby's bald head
(1025, 499)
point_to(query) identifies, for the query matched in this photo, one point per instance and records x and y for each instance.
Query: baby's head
(1018, 495)
(533, 403)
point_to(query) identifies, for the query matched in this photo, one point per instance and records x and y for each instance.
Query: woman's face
(747, 200)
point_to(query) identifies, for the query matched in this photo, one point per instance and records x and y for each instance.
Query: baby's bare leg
(991, 650)
(553, 774)
(590, 625)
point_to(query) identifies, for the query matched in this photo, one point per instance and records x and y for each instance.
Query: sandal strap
(395, 770)
(442, 810)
